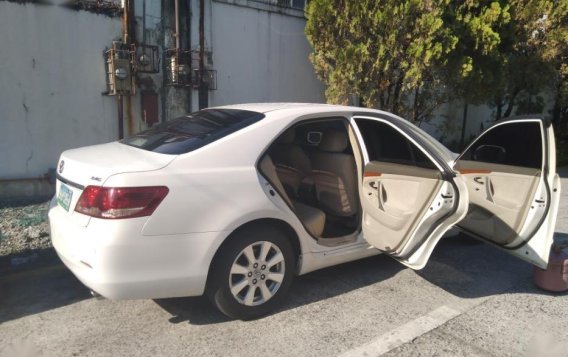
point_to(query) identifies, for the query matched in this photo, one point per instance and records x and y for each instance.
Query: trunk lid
(93, 165)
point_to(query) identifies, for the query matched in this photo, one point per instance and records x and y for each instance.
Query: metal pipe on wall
(203, 90)
(188, 24)
(176, 16)
(120, 117)
(119, 99)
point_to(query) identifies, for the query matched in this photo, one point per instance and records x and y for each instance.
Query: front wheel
(252, 273)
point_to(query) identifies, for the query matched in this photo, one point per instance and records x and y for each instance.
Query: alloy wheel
(257, 273)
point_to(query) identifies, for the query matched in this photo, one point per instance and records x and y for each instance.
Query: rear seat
(292, 164)
(312, 218)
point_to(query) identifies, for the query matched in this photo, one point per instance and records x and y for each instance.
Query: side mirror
(490, 153)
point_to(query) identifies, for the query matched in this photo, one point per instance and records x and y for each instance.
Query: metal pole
(125, 21)
(176, 14)
(120, 118)
(144, 21)
(188, 20)
(203, 92)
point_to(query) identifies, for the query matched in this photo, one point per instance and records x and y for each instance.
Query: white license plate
(64, 196)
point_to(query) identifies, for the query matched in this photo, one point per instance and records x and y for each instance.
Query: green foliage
(383, 51)
(410, 56)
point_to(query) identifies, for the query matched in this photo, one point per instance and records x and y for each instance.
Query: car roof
(269, 107)
(309, 108)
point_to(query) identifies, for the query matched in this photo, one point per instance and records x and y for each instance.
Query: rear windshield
(185, 134)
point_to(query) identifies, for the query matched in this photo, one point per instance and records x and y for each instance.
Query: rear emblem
(61, 166)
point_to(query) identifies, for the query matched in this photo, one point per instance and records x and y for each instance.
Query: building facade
(59, 89)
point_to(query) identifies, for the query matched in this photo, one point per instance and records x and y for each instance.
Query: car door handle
(489, 190)
(478, 179)
(382, 196)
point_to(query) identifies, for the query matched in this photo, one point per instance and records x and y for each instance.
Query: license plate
(64, 196)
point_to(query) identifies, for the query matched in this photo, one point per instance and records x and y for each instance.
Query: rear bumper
(114, 259)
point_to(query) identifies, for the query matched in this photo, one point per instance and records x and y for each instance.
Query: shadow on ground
(44, 285)
(306, 289)
(458, 266)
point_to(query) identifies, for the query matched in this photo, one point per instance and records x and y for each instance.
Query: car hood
(92, 165)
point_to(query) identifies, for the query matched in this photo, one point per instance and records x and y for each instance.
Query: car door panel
(407, 203)
(499, 201)
(510, 201)
(396, 202)
(399, 197)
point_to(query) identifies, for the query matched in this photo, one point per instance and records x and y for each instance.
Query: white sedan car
(235, 201)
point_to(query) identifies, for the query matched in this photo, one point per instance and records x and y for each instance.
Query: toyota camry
(235, 201)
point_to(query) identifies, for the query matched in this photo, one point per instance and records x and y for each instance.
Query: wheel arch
(273, 223)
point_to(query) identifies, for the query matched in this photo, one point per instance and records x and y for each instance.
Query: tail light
(120, 202)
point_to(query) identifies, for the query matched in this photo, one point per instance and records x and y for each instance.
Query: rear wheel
(252, 273)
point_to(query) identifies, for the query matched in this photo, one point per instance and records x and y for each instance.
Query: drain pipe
(203, 90)
(176, 16)
(188, 24)
(126, 12)
(119, 98)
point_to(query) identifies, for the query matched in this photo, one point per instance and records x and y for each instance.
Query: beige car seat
(335, 175)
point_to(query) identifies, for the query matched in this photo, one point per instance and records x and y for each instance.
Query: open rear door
(514, 191)
(408, 193)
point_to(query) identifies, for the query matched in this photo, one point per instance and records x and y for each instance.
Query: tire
(245, 285)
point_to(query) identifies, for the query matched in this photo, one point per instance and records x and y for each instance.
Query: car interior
(312, 165)
(506, 181)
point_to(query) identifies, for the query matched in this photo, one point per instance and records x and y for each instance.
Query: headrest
(333, 141)
(287, 137)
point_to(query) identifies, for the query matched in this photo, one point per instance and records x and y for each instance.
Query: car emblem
(61, 166)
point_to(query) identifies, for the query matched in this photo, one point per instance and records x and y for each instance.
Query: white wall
(52, 73)
(52, 76)
(260, 56)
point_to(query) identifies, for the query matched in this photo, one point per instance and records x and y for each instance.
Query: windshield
(184, 134)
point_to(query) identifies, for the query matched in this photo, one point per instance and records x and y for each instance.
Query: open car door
(514, 191)
(409, 194)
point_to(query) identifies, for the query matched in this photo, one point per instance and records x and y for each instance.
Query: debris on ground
(24, 228)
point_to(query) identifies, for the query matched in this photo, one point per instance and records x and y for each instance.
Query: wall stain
(26, 119)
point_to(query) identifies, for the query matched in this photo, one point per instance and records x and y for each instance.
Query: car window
(515, 144)
(185, 134)
(385, 143)
(443, 152)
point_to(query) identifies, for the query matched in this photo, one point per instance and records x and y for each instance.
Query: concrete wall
(52, 72)
(52, 77)
(260, 55)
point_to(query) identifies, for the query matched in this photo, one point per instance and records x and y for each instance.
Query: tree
(386, 52)
(474, 66)
(547, 31)
(410, 56)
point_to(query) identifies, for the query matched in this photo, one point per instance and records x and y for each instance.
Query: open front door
(408, 194)
(514, 191)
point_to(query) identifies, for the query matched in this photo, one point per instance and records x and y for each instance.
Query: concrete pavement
(471, 299)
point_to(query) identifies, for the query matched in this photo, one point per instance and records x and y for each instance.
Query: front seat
(292, 164)
(335, 176)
